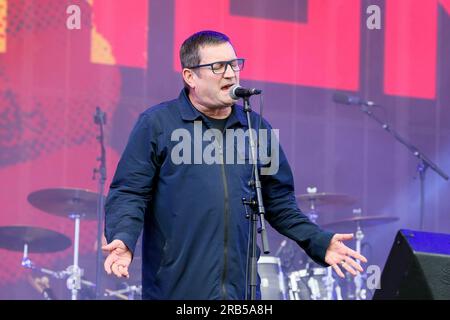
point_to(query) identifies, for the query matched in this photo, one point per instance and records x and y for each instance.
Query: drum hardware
(359, 237)
(315, 199)
(312, 199)
(363, 221)
(306, 283)
(40, 240)
(73, 275)
(332, 286)
(112, 293)
(272, 278)
(76, 204)
(309, 284)
(64, 202)
(32, 239)
(128, 293)
(358, 221)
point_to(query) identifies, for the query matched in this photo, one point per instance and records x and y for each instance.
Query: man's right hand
(118, 259)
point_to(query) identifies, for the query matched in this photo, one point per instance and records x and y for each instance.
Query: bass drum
(272, 278)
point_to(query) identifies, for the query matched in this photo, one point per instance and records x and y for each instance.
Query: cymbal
(367, 221)
(65, 201)
(38, 239)
(324, 198)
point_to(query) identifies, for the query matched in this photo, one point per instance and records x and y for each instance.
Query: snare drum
(272, 278)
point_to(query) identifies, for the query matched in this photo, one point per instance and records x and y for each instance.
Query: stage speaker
(418, 267)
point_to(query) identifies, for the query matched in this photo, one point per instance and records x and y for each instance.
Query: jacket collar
(190, 113)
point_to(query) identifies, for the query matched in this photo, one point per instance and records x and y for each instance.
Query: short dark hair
(189, 51)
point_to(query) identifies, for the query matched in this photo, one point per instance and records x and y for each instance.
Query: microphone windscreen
(232, 92)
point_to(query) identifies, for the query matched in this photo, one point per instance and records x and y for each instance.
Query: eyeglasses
(220, 67)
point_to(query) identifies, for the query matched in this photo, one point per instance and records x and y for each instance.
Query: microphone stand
(424, 161)
(257, 210)
(100, 119)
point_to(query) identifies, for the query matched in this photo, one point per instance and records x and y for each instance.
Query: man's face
(212, 90)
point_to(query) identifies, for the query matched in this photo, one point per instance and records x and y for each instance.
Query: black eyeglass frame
(227, 63)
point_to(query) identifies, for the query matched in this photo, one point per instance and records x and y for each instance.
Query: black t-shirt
(218, 124)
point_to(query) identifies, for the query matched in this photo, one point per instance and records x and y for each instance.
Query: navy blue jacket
(195, 231)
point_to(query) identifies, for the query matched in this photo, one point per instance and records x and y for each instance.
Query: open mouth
(227, 87)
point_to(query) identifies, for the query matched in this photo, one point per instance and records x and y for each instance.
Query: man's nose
(229, 72)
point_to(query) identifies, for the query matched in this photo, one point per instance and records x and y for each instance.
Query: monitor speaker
(418, 267)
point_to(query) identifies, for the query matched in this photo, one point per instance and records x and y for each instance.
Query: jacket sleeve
(284, 215)
(131, 188)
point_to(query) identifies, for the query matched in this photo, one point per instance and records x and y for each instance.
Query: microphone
(99, 116)
(351, 100)
(237, 92)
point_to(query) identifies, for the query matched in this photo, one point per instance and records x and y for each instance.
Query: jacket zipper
(226, 227)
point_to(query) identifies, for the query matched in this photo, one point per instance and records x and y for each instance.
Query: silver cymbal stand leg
(26, 262)
(313, 216)
(74, 280)
(359, 237)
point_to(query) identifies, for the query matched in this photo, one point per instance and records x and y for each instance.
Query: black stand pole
(422, 170)
(100, 119)
(424, 162)
(256, 209)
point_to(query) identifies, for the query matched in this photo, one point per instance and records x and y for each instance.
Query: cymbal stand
(26, 262)
(312, 213)
(313, 216)
(73, 273)
(130, 290)
(359, 237)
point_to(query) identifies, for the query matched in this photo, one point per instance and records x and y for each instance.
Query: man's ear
(188, 77)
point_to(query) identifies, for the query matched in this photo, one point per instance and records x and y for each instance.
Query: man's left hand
(339, 255)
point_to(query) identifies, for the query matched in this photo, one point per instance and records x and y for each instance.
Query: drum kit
(72, 203)
(312, 282)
